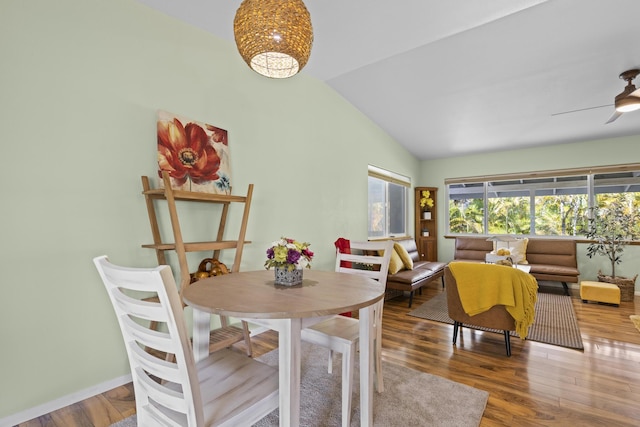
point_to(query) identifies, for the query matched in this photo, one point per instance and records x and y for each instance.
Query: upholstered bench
(600, 292)
(421, 272)
(550, 259)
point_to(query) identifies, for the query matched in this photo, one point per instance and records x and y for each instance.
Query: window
(561, 206)
(623, 187)
(508, 208)
(553, 203)
(466, 208)
(387, 203)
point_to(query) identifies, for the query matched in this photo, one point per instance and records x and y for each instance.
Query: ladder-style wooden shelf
(181, 247)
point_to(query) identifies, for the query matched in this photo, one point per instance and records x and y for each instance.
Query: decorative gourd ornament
(223, 268)
(205, 266)
(200, 275)
(209, 267)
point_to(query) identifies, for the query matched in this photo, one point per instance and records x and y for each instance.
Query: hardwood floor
(539, 385)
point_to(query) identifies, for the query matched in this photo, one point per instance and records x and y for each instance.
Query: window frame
(562, 174)
(389, 177)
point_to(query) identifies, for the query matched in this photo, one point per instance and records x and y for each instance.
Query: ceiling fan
(629, 98)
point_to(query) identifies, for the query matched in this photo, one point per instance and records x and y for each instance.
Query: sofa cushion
(552, 251)
(404, 256)
(433, 266)
(411, 248)
(410, 276)
(555, 270)
(472, 248)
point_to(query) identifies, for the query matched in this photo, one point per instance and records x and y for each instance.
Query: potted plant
(611, 228)
(288, 257)
(426, 203)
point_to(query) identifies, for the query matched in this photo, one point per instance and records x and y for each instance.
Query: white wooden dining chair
(341, 333)
(225, 389)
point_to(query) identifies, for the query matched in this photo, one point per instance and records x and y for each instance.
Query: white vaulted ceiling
(448, 78)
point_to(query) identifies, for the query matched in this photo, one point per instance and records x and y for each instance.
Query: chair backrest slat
(365, 259)
(163, 394)
(149, 338)
(154, 366)
(367, 273)
(374, 254)
(145, 310)
(135, 279)
(161, 418)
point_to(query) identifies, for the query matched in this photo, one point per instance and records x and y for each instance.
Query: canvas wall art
(195, 154)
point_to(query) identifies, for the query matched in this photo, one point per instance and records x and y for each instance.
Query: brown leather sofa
(497, 317)
(422, 273)
(550, 259)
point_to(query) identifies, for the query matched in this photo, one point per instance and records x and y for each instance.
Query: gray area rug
(554, 323)
(410, 397)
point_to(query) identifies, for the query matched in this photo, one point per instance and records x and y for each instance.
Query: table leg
(201, 331)
(366, 366)
(289, 370)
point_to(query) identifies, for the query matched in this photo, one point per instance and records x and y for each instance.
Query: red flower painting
(189, 153)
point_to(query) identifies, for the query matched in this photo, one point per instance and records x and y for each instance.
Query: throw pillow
(395, 264)
(518, 249)
(404, 256)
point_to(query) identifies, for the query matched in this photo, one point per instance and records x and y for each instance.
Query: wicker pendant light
(274, 37)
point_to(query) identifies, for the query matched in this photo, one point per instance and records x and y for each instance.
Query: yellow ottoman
(600, 292)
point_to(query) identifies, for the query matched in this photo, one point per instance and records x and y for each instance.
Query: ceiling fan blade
(582, 109)
(615, 115)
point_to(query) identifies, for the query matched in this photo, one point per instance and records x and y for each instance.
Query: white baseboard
(63, 401)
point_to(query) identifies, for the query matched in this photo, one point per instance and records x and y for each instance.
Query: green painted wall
(574, 155)
(81, 83)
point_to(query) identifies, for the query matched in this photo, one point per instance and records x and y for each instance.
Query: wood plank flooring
(539, 385)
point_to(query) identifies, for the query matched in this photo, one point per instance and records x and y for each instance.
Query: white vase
(426, 215)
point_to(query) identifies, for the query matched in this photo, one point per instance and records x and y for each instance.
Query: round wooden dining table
(253, 295)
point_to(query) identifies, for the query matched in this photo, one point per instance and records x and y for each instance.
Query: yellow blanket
(481, 286)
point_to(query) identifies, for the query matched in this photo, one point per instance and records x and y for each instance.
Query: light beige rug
(410, 398)
(635, 318)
